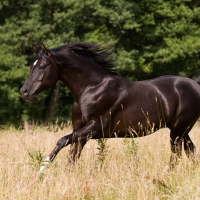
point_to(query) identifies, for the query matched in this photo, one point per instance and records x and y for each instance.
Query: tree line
(151, 38)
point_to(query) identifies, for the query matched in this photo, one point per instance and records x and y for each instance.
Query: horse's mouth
(31, 99)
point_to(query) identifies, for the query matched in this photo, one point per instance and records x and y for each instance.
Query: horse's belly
(138, 122)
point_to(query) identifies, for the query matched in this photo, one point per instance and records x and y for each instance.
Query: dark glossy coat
(109, 105)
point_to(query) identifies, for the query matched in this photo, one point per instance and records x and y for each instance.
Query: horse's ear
(35, 49)
(46, 51)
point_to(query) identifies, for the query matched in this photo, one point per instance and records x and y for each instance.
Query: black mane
(94, 53)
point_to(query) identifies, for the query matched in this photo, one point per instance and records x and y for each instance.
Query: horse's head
(43, 74)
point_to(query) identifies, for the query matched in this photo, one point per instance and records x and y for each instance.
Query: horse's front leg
(77, 122)
(75, 151)
(81, 135)
(60, 144)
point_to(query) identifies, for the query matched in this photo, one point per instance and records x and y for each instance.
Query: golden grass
(124, 175)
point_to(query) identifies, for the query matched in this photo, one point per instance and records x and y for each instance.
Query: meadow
(112, 169)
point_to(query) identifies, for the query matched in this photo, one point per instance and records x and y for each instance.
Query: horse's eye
(42, 66)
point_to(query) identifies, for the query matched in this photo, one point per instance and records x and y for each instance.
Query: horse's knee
(63, 141)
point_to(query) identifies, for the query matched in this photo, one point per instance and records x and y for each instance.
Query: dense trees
(151, 38)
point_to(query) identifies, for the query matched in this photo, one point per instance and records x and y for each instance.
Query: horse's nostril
(25, 92)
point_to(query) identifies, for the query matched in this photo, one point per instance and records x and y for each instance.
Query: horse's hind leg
(189, 147)
(176, 148)
(177, 136)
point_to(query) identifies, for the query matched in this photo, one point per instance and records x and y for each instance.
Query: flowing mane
(94, 53)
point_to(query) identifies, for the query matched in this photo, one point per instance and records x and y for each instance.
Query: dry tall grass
(139, 173)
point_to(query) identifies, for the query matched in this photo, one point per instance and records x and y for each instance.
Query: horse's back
(163, 99)
(180, 97)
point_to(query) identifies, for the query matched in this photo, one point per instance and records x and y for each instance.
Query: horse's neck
(79, 79)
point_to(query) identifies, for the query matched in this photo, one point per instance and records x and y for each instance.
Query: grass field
(126, 169)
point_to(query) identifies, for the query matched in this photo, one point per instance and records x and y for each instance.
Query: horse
(108, 105)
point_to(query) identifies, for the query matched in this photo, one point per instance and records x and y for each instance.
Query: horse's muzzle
(25, 95)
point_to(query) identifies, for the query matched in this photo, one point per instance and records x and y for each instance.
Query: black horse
(107, 104)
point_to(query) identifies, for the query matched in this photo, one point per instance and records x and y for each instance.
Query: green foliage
(131, 147)
(36, 158)
(151, 38)
(102, 150)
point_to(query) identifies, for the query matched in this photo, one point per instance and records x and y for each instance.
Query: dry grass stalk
(116, 179)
